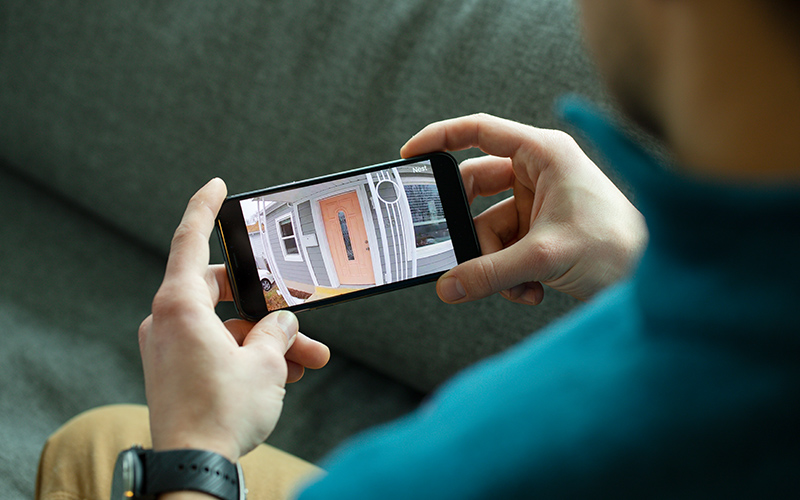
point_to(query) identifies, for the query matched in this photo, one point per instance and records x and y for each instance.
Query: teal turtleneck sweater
(683, 382)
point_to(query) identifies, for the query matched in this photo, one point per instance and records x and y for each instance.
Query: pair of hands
(220, 386)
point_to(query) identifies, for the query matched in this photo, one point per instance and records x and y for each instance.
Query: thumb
(510, 269)
(278, 329)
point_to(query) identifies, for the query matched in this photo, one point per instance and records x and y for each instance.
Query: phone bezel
(240, 262)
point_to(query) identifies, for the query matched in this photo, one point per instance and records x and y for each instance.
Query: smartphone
(366, 231)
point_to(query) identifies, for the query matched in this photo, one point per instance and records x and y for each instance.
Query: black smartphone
(321, 241)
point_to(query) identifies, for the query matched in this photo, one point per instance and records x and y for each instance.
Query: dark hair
(786, 14)
(789, 10)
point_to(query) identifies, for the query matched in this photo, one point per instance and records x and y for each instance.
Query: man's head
(705, 75)
(621, 38)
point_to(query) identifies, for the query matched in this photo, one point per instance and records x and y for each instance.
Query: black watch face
(126, 470)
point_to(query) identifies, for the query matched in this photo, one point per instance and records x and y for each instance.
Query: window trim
(435, 249)
(282, 240)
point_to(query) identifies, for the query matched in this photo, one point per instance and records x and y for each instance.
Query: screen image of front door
(347, 239)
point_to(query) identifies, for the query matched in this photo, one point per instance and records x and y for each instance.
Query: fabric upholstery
(113, 113)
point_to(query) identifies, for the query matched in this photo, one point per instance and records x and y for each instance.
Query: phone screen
(327, 239)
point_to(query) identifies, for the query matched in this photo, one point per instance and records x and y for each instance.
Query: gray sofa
(113, 113)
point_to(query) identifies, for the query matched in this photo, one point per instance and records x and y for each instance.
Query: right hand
(566, 225)
(212, 385)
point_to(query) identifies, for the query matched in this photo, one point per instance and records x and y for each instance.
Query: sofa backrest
(126, 108)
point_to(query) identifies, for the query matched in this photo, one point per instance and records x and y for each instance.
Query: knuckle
(555, 146)
(144, 327)
(543, 254)
(168, 303)
(481, 121)
(183, 234)
(275, 334)
(162, 302)
(486, 276)
(561, 138)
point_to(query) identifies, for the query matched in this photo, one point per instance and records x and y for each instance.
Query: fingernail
(288, 323)
(451, 289)
(514, 292)
(213, 181)
(531, 296)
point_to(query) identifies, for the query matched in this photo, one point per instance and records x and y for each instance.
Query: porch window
(288, 239)
(427, 214)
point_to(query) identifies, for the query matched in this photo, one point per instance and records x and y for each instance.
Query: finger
(294, 372)
(219, 284)
(277, 330)
(486, 176)
(239, 329)
(497, 226)
(189, 252)
(489, 274)
(530, 293)
(493, 135)
(304, 350)
(308, 352)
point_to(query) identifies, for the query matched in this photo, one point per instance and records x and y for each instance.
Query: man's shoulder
(597, 404)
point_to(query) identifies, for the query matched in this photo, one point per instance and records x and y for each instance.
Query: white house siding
(289, 270)
(389, 219)
(314, 252)
(378, 239)
(437, 262)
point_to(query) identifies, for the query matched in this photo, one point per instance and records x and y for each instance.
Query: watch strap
(196, 470)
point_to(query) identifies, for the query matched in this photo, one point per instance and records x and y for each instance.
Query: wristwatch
(145, 474)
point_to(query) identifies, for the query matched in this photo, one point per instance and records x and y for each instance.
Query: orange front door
(347, 239)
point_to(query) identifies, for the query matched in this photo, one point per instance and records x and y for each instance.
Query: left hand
(566, 225)
(212, 385)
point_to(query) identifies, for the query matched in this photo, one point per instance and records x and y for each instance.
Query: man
(681, 381)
